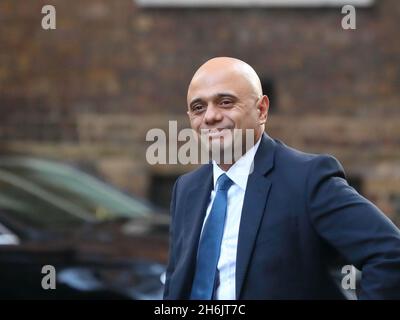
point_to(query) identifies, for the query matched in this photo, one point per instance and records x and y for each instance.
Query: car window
(97, 198)
(28, 205)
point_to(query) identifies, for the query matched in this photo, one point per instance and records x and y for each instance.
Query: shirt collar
(240, 170)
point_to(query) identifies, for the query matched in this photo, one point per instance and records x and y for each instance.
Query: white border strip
(252, 3)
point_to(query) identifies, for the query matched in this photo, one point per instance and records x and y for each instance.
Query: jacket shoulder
(195, 176)
(292, 157)
(298, 166)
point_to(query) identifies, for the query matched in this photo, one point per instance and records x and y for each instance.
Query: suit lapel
(257, 191)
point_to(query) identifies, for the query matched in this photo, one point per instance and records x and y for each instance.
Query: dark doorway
(161, 189)
(269, 90)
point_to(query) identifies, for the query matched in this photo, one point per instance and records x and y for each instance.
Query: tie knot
(223, 182)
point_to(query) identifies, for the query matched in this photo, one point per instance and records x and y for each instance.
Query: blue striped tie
(210, 243)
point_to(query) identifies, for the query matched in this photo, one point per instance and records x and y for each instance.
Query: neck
(226, 166)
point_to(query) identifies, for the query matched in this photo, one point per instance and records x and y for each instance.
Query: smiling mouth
(216, 132)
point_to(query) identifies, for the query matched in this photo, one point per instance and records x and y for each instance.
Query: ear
(263, 107)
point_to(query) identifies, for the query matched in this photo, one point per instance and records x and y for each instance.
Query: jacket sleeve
(171, 260)
(355, 227)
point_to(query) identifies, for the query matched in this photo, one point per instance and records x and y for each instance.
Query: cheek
(245, 123)
(195, 123)
(241, 119)
(251, 119)
(235, 116)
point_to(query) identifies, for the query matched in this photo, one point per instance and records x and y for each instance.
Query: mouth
(215, 132)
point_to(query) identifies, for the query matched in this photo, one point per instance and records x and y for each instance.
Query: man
(281, 230)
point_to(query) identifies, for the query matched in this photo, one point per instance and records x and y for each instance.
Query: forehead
(207, 85)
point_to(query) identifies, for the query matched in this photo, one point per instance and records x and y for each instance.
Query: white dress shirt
(238, 173)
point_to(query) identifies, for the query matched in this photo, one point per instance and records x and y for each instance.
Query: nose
(213, 115)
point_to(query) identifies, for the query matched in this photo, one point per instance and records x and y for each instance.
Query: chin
(218, 149)
(222, 143)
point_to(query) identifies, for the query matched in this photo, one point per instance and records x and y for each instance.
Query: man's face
(220, 101)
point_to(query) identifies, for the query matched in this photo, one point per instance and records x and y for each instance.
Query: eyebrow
(218, 95)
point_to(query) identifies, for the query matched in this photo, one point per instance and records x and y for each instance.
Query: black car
(65, 234)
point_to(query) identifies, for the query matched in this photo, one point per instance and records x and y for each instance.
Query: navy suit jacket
(301, 223)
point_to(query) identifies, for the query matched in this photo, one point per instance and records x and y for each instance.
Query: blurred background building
(88, 91)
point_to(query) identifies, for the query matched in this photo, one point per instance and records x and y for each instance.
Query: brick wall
(89, 90)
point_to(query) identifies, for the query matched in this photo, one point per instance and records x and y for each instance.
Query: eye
(197, 108)
(226, 102)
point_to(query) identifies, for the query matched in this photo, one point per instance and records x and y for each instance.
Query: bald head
(228, 70)
(224, 95)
